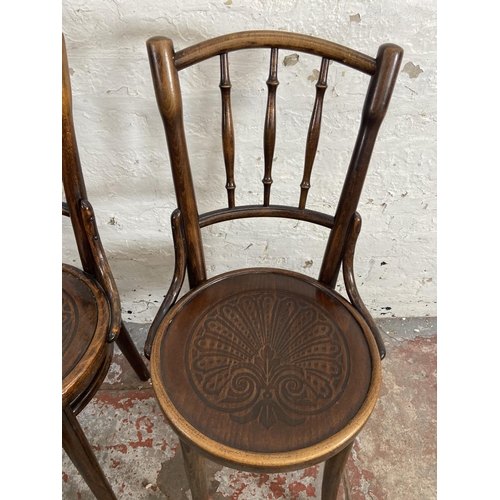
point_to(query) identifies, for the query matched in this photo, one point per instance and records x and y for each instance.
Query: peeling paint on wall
(291, 60)
(314, 76)
(125, 160)
(412, 70)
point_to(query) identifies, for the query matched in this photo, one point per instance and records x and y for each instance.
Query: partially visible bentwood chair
(262, 369)
(91, 314)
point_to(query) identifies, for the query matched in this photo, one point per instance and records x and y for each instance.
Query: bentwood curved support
(350, 282)
(91, 311)
(176, 283)
(272, 40)
(264, 369)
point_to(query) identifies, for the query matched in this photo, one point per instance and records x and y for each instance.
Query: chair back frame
(72, 175)
(79, 209)
(166, 64)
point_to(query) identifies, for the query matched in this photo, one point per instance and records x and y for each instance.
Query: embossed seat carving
(91, 314)
(292, 366)
(265, 369)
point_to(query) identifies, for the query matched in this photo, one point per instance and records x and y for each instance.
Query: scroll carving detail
(269, 358)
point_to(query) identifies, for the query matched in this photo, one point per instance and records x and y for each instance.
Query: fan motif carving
(268, 358)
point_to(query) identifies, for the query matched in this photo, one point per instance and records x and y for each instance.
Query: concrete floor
(394, 457)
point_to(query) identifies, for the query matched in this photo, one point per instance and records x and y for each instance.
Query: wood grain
(262, 369)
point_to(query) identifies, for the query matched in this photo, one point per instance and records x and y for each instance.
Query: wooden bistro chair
(91, 314)
(266, 370)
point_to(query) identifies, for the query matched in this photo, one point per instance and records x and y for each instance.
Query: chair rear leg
(129, 350)
(194, 464)
(332, 476)
(79, 451)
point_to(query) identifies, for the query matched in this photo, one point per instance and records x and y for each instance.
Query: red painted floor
(394, 458)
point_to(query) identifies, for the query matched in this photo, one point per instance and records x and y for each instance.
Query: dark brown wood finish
(227, 128)
(177, 280)
(194, 466)
(268, 353)
(375, 107)
(270, 125)
(273, 39)
(80, 452)
(350, 282)
(167, 90)
(91, 311)
(333, 473)
(313, 132)
(284, 212)
(262, 369)
(72, 175)
(85, 320)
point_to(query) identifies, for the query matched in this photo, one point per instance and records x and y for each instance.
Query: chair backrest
(80, 211)
(72, 176)
(166, 64)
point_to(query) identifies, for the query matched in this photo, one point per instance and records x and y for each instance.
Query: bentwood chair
(91, 314)
(263, 369)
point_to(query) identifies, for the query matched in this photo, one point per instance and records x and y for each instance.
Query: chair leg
(129, 350)
(194, 465)
(78, 449)
(332, 476)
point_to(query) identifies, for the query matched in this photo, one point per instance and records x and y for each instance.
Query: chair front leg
(194, 465)
(332, 476)
(77, 447)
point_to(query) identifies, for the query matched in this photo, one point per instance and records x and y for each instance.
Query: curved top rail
(274, 39)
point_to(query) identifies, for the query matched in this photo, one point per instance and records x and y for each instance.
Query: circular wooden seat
(265, 369)
(85, 323)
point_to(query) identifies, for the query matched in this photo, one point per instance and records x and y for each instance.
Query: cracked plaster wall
(125, 161)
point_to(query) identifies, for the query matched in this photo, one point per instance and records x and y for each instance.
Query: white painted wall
(125, 161)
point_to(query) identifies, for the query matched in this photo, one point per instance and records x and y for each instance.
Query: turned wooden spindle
(270, 125)
(313, 132)
(227, 128)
